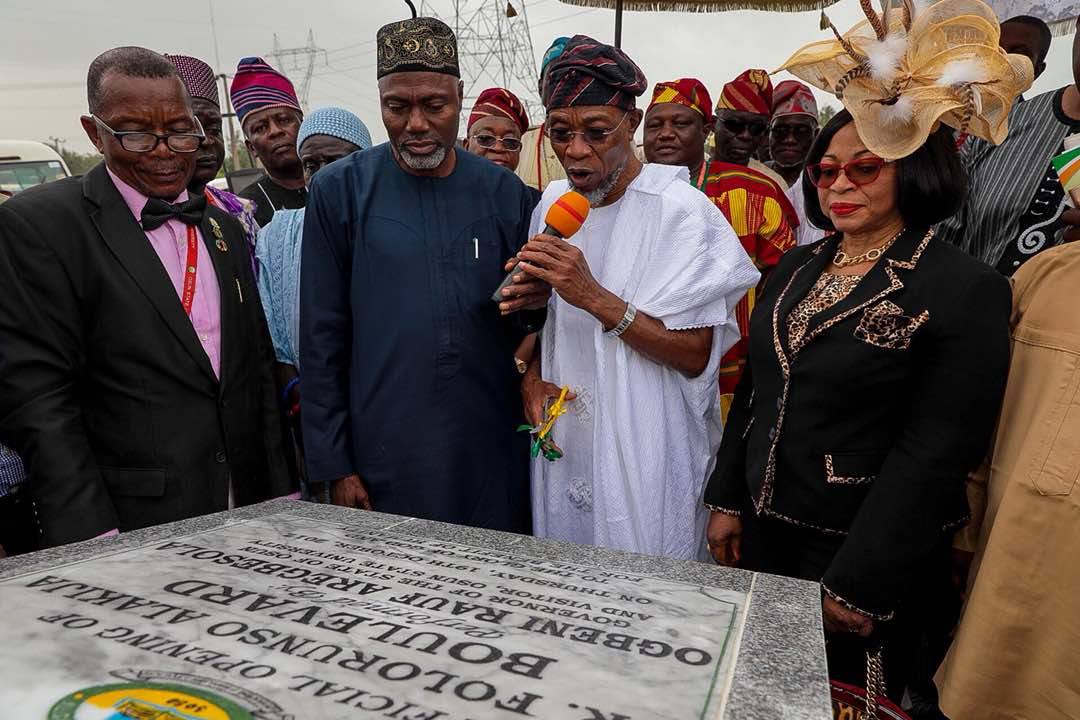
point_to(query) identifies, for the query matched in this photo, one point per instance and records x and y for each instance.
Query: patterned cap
(421, 44)
(750, 92)
(553, 52)
(791, 97)
(198, 77)
(336, 122)
(258, 86)
(499, 102)
(588, 72)
(690, 92)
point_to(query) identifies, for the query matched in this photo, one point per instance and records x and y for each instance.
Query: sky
(46, 46)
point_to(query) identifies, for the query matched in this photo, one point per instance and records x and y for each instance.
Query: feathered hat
(901, 72)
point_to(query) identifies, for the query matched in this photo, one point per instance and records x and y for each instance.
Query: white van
(24, 164)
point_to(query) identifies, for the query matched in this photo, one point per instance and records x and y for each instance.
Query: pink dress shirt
(170, 243)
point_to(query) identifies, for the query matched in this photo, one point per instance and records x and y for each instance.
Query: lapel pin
(221, 245)
(216, 229)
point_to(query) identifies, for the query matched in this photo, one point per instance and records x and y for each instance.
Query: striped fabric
(257, 85)
(689, 92)
(1004, 179)
(499, 102)
(760, 214)
(588, 72)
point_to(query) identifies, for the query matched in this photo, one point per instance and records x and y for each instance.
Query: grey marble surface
(779, 662)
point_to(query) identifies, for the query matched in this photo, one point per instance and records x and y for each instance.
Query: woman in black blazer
(878, 359)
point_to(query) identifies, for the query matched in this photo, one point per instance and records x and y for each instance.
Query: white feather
(959, 72)
(884, 56)
(899, 113)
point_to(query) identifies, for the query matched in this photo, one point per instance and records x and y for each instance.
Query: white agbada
(641, 438)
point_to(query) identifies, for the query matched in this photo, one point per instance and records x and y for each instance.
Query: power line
(307, 53)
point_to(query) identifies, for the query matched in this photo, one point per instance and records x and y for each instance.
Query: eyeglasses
(734, 126)
(510, 144)
(144, 142)
(862, 171)
(796, 132)
(592, 136)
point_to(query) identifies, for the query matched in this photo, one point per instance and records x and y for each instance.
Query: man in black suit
(135, 367)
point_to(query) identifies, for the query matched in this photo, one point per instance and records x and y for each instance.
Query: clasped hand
(561, 266)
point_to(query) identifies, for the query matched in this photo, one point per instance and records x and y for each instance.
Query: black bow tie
(158, 212)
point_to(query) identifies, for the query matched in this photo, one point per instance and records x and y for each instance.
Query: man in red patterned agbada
(677, 126)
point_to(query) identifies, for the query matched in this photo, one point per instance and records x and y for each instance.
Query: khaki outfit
(1017, 650)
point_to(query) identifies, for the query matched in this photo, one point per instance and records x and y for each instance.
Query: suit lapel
(798, 286)
(881, 281)
(125, 238)
(221, 242)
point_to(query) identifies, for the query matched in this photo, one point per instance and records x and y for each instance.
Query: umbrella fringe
(689, 6)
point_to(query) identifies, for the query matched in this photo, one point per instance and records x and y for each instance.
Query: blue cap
(336, 122)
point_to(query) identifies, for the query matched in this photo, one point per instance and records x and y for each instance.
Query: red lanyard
(190, 269)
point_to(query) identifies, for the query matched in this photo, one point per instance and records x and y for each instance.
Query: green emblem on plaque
(146, 701)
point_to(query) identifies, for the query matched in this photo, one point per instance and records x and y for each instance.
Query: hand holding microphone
(525, 289)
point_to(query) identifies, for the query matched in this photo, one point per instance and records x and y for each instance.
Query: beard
(597, 196)
(423, 162)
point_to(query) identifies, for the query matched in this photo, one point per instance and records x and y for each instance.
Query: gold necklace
(842, 259)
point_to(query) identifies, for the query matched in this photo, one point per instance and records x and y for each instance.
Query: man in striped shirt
(1016, 206)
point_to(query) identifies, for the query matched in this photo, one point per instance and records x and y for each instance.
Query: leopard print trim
(785, 368)
(832, 477)
(853, 608)
(895, 284)
(885, 326)
(764, 500)
(722, 510)
(769, 512)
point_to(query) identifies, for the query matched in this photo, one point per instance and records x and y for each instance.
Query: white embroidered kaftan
(641, 438)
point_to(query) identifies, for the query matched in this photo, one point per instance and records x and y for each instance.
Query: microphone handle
(509, 279)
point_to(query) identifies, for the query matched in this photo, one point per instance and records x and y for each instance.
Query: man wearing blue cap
(326, 135)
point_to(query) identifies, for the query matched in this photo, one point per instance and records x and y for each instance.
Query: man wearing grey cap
(410, 400)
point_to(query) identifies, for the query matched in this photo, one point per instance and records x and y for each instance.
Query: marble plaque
(292, 617)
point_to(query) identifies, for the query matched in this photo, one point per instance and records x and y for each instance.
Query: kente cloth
(199, 77)
(791, 97)
(422, 44)
(499, 102)
(409, 373)
(766, 223)
(335, 122)
(751, 92)
(689, 92)
(588, 72)
(278, 253)
(641, 438)
(241, 209)
(257, 86)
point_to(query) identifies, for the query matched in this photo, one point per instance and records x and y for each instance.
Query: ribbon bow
(157, 212)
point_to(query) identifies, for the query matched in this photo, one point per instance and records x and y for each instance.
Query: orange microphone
(564, 218)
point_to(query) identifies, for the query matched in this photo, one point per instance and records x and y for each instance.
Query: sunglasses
(756, 128)
(862, 171)
(510, 144)
(796, 132)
